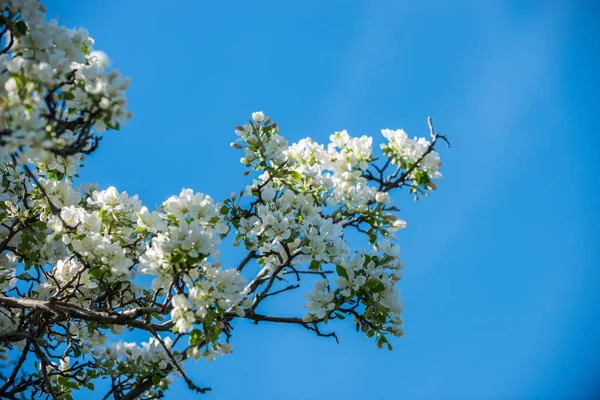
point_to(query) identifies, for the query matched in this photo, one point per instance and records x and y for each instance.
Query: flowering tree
(81, 266)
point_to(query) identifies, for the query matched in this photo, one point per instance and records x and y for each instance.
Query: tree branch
(64, 311)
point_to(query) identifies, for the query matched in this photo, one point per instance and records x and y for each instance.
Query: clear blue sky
(501, 284)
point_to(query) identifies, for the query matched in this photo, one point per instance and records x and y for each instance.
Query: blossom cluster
(303, 200)
(407, 152)
(54, 87)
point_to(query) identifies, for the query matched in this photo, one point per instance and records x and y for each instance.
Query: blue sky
(500, 287)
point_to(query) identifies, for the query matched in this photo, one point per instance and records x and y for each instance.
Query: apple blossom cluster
(188, 225)
(151, 352)
(416, 157)
(338, 167)
(98, 229)
(83, 267)
(264, 145)
(187, 231)
(289, 224)
(405, 151)
(53, 88)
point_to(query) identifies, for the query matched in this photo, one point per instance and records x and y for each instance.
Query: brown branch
(67, 311)
(246, 259)
(285, 289)
(191, 385)
(311, 326)
(14, 337)
(138, 390)
(18, 366)
(45, 363)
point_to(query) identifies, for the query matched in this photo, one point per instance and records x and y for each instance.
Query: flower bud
(117, 329)
(399, 224)
(294, 245)
(399, 332)
(431, 185)
(226, 348)
(258, 116)
(382, 197)
(239, 311)
(74, 330)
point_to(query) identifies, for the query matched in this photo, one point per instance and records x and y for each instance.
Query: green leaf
(314, 265)
(20, 28)
(224, 210)
(422, 177)
(114, 126)
(56, 175)
(375, 285)
(340, 316)
(341, 271)
(370, 334)
(156, 379)
(66, 96)
(96, 273)
(177, 257)
(379, 288)
(63, 381)
(196, 337)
